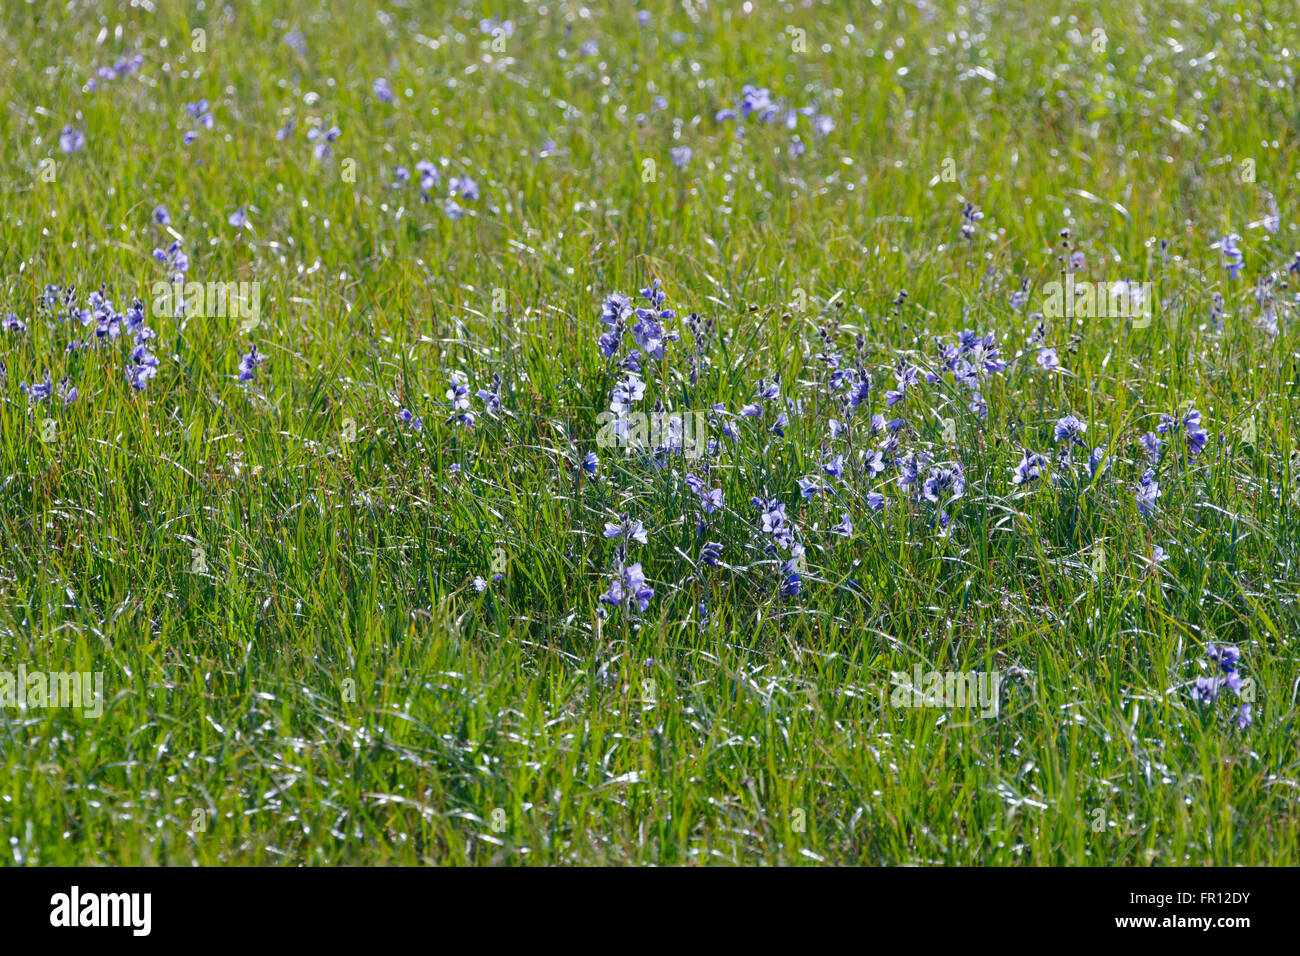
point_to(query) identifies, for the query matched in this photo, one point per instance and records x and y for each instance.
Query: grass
(321, 683)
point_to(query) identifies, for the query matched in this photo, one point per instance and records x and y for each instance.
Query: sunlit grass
(333, 689)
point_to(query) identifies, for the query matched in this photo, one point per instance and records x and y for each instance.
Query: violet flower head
(71, 140)
(910, 468)
(1069, 428)
(1197, 437)
(791, 582)
(199, 112)
(322, 139)
(627, 391)
(773, 514)
(463, 187)
(1098, 463)
(412, 421)
(629, 587)
(905, 376)
(490, 27)
(615, 309)
(1029, 469)
(39, 391)
(1225, 655)
(491, 400)
(610, 342)
(248, 364)
(873, 461)
(1230, 250)
(654, 293)
(710, 500)
(1152, 444)
(1206, 689)
(458, 394)
(943, 484)
(1148, 490)
(429, 177)
(202, 118)
(628, 530)
(810, 487)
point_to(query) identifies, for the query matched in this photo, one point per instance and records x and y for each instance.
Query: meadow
(649, 434)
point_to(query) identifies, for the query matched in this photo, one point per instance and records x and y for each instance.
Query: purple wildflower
(1069, 428)
(39, 391)
(1148, 490)
(944, 483)
(791, 583)
(248, 364)
(1029, 469)
(412, 421)
(322, 139)
(464, 187)
(810, 487)
(1230, 250)
(629, 587)
(1151, 444)
(1098, 464)
(1206, 689)
(71, 140)
(1226, 656)
(429, 177)
(628, 530)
